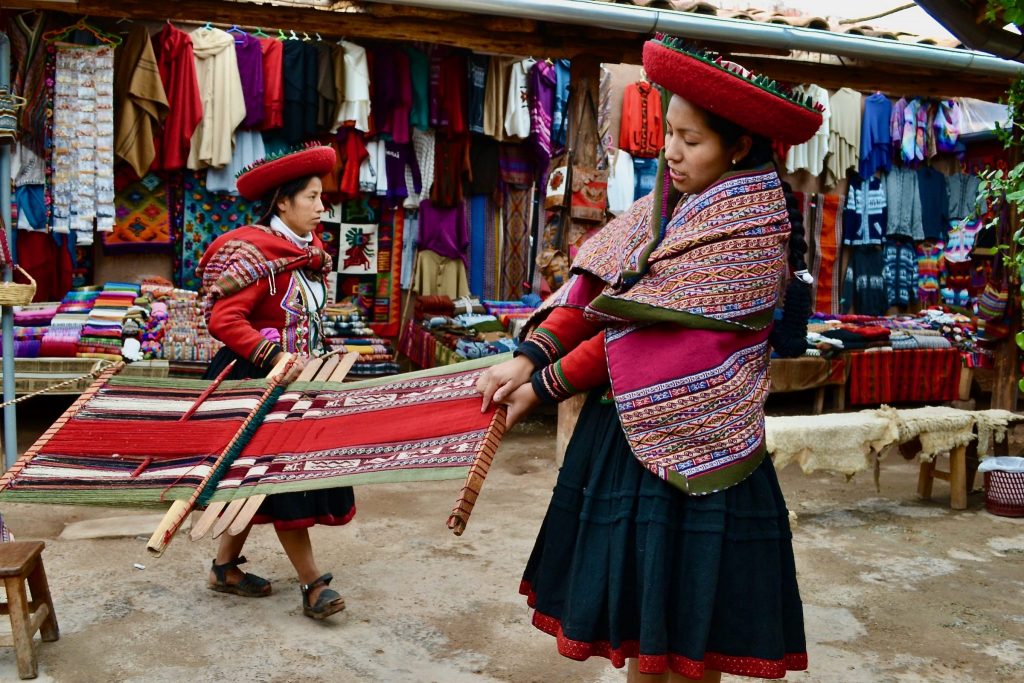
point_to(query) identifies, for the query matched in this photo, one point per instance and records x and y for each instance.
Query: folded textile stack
(444, 331)
(929, 329)
(35, 315)
(346, 330)
(61, 340)
(31, 323)
(101, 335)
(185, 336)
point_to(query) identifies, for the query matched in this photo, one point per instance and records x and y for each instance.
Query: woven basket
(15, 293)
(1004, 493)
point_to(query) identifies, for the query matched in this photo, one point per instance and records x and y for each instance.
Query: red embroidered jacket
(238, 319)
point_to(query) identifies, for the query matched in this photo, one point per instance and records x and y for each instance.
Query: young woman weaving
(263, 288)
(667, 543)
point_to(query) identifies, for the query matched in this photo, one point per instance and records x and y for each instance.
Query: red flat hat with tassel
(258, 179)
(726, 89)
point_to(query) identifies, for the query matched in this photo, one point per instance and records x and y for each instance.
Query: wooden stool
(22, 561)
(956, 476)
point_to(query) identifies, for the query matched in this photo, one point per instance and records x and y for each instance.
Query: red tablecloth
(906, 376)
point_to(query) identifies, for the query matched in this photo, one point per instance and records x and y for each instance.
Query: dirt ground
(895, 589)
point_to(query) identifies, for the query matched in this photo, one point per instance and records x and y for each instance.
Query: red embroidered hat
(755, 102)
(259, 178)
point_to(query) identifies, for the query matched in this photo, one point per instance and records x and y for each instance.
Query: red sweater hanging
(641, 133)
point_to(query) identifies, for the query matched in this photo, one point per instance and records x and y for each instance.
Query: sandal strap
(221, 570)
(322, 581)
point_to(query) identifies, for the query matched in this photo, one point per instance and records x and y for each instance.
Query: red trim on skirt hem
(656, 664)
(305, 522)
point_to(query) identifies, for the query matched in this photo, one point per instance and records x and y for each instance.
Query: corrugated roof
(790, 18)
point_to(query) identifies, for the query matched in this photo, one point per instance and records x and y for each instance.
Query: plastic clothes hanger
(81, 25)
(234, 29)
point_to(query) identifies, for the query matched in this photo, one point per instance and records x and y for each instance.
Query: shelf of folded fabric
(346, 330)
(442, 331)
(924, 358)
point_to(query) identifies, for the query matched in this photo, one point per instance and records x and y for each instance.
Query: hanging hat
(725, 89)
(256, 180)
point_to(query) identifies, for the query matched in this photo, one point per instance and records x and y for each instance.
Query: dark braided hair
(789, 335)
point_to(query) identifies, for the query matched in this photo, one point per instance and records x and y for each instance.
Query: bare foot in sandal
(319, 601)
(228, 578)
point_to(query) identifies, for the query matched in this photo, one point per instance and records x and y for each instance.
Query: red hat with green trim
(256, 180)
(726, 89)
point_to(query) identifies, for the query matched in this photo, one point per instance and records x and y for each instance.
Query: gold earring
(735, 161)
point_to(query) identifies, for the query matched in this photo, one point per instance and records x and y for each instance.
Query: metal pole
(10, 416)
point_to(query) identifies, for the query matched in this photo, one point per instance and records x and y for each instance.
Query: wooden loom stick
(207, 391)
(180, 509)
(72, 410)
(253, 503)
(477, 473)
(213, 511)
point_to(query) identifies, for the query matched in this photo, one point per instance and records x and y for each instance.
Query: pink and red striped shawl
(689, 294)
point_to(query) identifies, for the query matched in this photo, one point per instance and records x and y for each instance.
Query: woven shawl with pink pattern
(689, 294)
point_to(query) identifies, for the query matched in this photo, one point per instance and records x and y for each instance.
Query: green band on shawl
(716, 481)
(639, 312)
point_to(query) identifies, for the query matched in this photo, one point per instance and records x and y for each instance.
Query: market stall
(448, 125)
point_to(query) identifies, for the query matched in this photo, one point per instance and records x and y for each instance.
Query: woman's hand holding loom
(502, 380)
(291, 372)
(520, 404)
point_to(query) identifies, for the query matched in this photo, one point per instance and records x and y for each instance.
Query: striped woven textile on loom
(92, 457)
(124, 445)
(420, 426)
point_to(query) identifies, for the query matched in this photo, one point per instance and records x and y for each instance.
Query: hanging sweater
(811, 154)
(904, 204)
(223, 100)
(641, 132)
(963, 195)
(865, 215)
(355, 105)
(517, 114)
(140, 99)
(876, 138)
(931, 184)
(176, 61)
(844, 134)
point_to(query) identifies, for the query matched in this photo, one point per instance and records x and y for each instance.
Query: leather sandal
(251, 586)
(327, 603)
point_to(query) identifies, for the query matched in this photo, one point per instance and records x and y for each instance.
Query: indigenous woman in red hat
(263, 291)
(667, 543)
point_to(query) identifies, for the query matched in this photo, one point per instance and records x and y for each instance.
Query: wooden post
(568, 415)
(958, 478)
(1006, 370)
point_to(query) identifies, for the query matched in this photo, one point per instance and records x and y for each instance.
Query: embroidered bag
(584, 184)
(992, 301)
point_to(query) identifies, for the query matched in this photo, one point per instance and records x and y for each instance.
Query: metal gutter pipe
(959, 19)
(735, 31)
(10, 417)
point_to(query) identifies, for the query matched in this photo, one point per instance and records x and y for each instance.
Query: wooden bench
(21, 562)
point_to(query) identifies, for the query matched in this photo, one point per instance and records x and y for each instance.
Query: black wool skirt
(299, 509)
(626, 565)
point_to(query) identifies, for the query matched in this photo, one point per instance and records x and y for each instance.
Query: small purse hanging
(584, 188)
(992, 301)
(589, 200)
